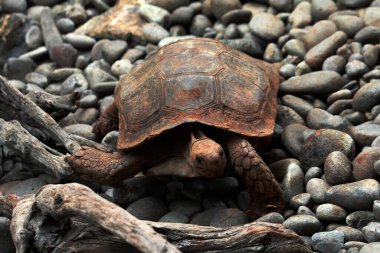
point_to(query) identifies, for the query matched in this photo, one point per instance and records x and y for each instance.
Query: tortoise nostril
(199, 158)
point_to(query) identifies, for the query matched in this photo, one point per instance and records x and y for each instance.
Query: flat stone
(357, 195)
(148, 208)
(320, 52)
(317, 188)
(80, 41)
(355, 3)
(359, 219)
(315, 83)
(328, 242)
(330, 212)
(321, 143)
(75, 82)
(224, 186)
(303, 224)
(267, 26)
(337, 168)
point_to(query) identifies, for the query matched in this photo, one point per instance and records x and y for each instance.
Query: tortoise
(193, 108)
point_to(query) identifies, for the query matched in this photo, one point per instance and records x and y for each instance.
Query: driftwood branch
(15, 106)
(79, 216)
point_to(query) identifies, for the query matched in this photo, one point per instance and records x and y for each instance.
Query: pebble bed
(326, 146)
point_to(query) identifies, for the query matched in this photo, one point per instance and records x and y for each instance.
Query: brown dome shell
(196, 80)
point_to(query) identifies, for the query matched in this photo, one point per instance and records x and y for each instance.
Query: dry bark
(59, 219)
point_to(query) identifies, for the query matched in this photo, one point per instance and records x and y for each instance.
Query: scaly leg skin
(266, 193)
(108, 121)
(102, 167)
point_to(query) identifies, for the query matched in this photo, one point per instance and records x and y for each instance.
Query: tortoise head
(207, 157)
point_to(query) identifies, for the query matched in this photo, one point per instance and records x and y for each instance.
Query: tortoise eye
(199, 158)
(221, 152)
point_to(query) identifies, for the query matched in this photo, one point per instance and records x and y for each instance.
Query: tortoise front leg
(266, 193)
(108, 121)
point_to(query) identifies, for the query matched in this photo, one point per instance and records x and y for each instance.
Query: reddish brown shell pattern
(196, 80)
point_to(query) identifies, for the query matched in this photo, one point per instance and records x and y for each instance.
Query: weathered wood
(112, 227)
(15, 106)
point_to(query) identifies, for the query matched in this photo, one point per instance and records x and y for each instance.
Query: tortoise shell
(196, 80)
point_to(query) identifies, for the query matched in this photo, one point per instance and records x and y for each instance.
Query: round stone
(318, 119)
(82, 130)
(293, 181)
(229, 217)
(204, 218)
(330, 212)
(199, 25)
(337, 168)
(302, 199)
(326, 242)
(182, 16)
(168, 4)
(267, 26)
(236, 16)
(80, 41)
(321, 9)
(348, 24)
(367, 97)
(368, 34)
(33, 37)
(371, 248)
(272, 217)
(372, 16)
(355, 69)
(10, 6)
(317, 188)
(321, 143)
(148, 208)
(186, 207)
(371, 232)
(365, 133)
(363, 164)
(350, 233)
(335, 63)
(174, 217)
(318, 32)
(6, 242)
(357, 195)
(221, 7)
(154, 33)
(359, 219)
(303, 224)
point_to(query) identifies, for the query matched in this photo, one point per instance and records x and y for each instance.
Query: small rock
(121, 67)
(221, 7)
(330, 212)
(64, 55)
(359, 219)
(199, 25)
(293, 181)
(313, 172)
(224, 186)
(80, 41)
(350, 233)
(267, 26)
(335, 63)
(10, 6)
(247, 46)
(186, 207)
(28, 186)
(337, 168)
(320, 144)
(301, 15)
(366, 97)
(33, 37)
(368, 34)
(228, 217)
(18, 68)
(355, 3)
(371, 232)
(174, 217)
(371, 55)
(148, 208)
(82, 130)
(363, 164)
(75, 82)
(372, 16)
(319, 82)
(317, 188)
(36, 78)
(112, 50)
(236, 17)
(65, 25)
(302, 199)
(357, 195)
(365, 133)
(111, 139)
(355, 69)
(376, 210)
(349, 24)
(281, 5)
(318, 32)
(318, 119)
(169, 4)
(371, 248)
(295, 47)
(182, 16)
(303, 224)
(204, 218)
(272, 53)
(292, 138)
(286, 116)
(154, 33)
(340, 94)
(272, 217)
(155, 14)
(321, 9)
(328, 242)
(320, 52)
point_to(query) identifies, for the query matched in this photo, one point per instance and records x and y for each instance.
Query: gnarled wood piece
(15, 106)
(66, 207)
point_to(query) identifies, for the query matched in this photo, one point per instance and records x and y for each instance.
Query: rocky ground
(326, 145)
